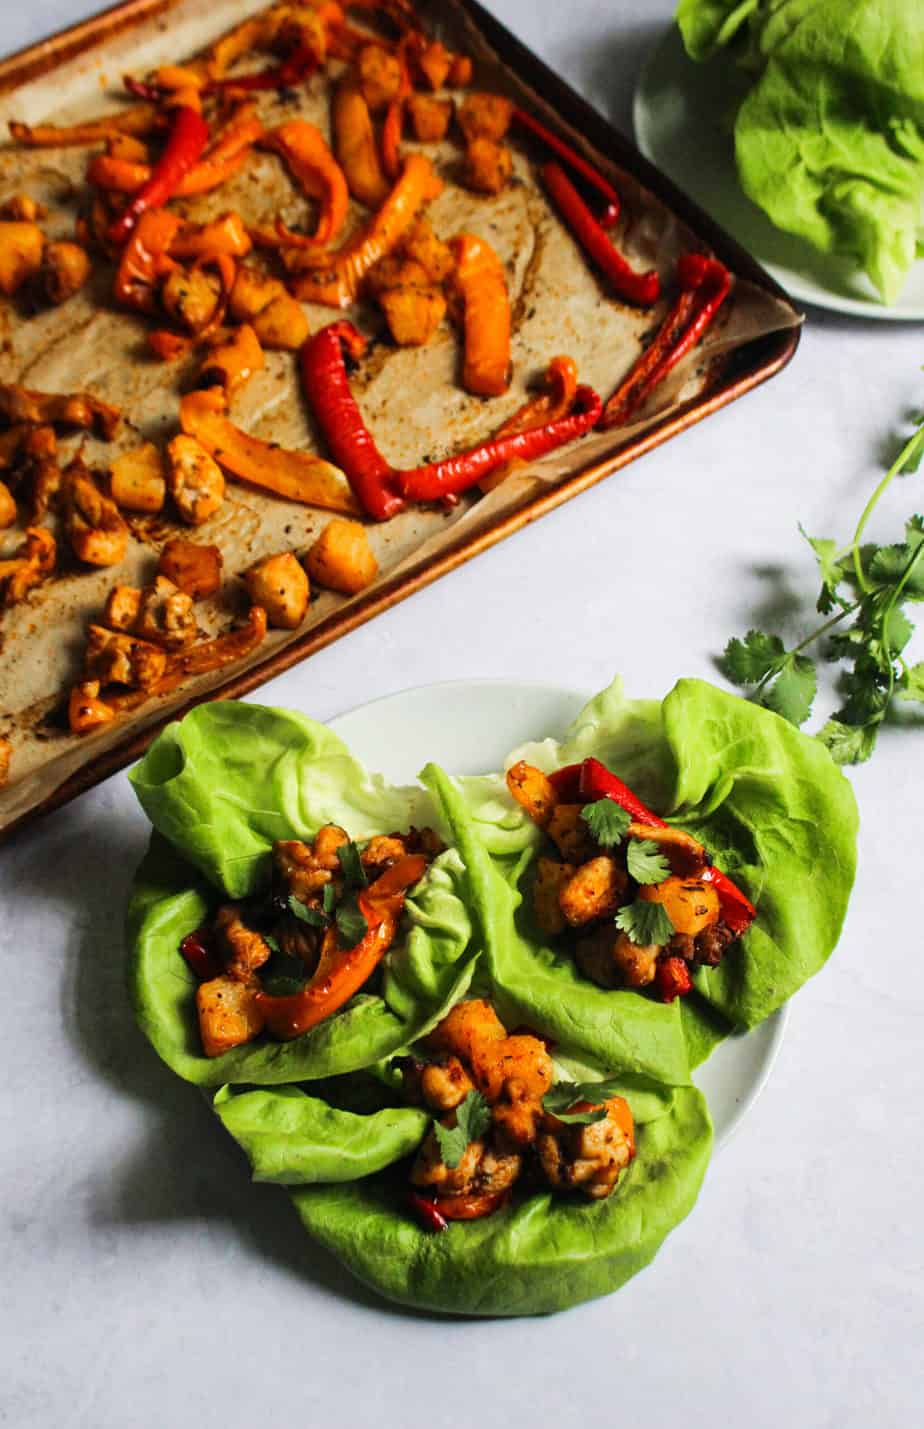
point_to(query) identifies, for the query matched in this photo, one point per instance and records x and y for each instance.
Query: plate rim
(775, 1024)
(796, 290)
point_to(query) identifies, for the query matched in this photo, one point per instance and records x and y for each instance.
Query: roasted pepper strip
(341, 972)
(301, 65)
(596, 782)
(482, 286)
(188, 137)
(641, 288)
(394, 117)
(338, 284)
(559, 384)
(327, 389)
(458, 473)
(573, 159)
(704, 285)
(354, 144)
(137, 119)
(145, 259)
(214, 654)
(304, 149)
(226, 235)
(296, 475)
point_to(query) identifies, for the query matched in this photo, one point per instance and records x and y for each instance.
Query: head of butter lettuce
(768, 802)
(829, 136)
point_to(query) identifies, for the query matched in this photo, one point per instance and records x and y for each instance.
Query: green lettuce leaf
(542, 1254)
(707, 25)
(299, 1140)
(223, 784)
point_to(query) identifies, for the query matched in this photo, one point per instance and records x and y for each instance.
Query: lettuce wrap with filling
(769, 803)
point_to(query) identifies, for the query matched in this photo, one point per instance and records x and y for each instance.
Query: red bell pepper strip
(199, 957)
(380, 489)
(327, 387)
(704, 286)
(457, 473)
(641, 288)
(300, 65)
(188, 137)
(596, 782)
(573, 159)
(426, 1212)
(341, 972)
(673, 979)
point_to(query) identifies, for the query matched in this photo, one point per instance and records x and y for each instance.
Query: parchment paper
(411, 399)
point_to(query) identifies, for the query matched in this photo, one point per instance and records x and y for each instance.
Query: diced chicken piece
(165, 615)
(191, 297)
(488, 166)
(122, 606)
(194, 480)
(434, 63)
(592, 1156)
(413, 314)
(341, 558)
(423, 247)
(304, 868)
(85, 710)
(136, 479)
(594, 891)
(533, 791)
(7, 507)
(569, 833)
(252, 292)
(280, 585)
(192, 568)
(33, 562)
(379, 76)
(481, 1171)
(233, 360)
(229, 1014)
(513, 1073)
(23, 208)
(246, 950)
(74, 409)
(95, 529)
(430, 117)
(65, 268)
(21, 246)
(460, 71)
(551, 878)
(609, 958)
(685, 854)
(282, 325)
(691, 905)
(117, 659)
(484, 116)
(444, 1085)
(383, 850)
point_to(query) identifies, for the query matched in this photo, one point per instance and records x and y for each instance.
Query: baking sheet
(411, 399)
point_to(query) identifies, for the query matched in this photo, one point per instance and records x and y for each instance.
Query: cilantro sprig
(559, 1099)
(864, 591)
(473, 1117)
(607, 821)
(645, 924)
(645, 862)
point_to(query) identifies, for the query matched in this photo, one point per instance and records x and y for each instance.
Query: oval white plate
(680, 114)
(469, 726)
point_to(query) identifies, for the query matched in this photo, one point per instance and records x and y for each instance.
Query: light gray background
(146, 1283)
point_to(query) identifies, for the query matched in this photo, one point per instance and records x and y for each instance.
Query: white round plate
(681, 118)
(470, 726)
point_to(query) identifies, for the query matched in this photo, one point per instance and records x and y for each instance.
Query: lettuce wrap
(767, 801)
(829, 138)
(220, 787)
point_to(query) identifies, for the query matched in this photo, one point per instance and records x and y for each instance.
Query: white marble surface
(146, 1283)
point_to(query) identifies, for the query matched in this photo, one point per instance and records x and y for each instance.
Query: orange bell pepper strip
(226, 235)
(145, 259)
(354, 145)
(338, 285)
(218, 164)
(136, 119)
(295, 475)
(559, 384)
(222, 650)
(394, 117)
(341, 972)
(482, 286)
(304, 150)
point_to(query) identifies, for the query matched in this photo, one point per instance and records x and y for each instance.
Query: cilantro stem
(889, 607)
(812, 636)
(898, 465)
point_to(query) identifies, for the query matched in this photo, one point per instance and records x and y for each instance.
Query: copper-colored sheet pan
(731, 373)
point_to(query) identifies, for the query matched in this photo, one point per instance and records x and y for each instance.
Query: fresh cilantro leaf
(566, 1094)
(747, 661)
(645, 861)
(889, 566)
(351, 924)
(793, 691)
(848, 744)
(912, 685)
(352, 865)
(473, 1117)
(607, 822)
(897, 630)
(830, 569)
(328, 898)
(914, 532)
(645, 924)
(912, 453)
(271, 943)
(312, 916)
